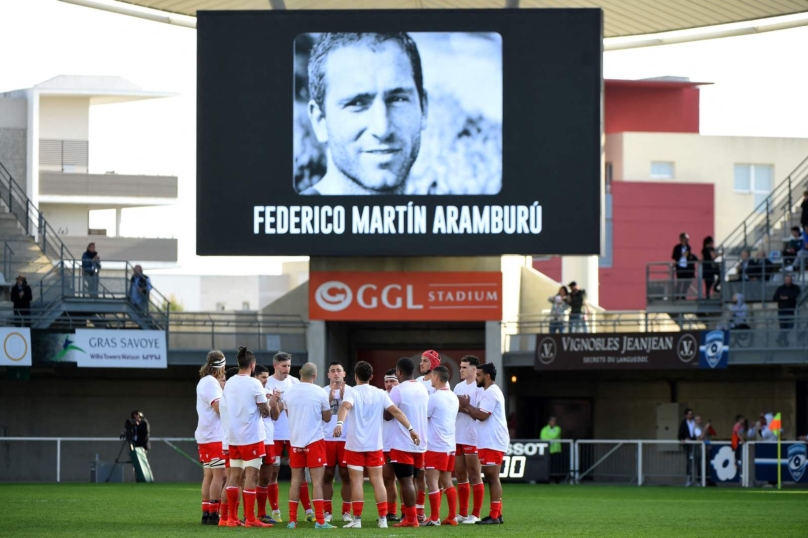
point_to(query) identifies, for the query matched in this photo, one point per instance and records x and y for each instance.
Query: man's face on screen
(373, 114)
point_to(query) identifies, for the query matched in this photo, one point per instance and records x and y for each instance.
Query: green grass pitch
(172, 511)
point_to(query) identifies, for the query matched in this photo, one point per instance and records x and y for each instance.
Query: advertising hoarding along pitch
(399, 132)
(410, 296)
(633, 351)
(16, 346)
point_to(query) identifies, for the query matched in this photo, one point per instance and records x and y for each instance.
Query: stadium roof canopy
(623, 18)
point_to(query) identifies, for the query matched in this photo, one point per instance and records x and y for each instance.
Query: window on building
(606, 259)
(245, 305)
(661, 170)
(221, 307)
(755, 179)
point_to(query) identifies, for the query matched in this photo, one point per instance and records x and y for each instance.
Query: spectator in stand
(558, 310)
(761, 268)
(740, 313)
(804, 206)
(685, 268)
(792, 250)
(91, 267)
(687, 432)
(743, 267)
(140, 288)
(738, 438)
(786, 297)
(760, 431)
(709, 267)
(577, 302)
(21, 296)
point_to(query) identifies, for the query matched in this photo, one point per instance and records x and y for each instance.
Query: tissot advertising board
(396, 133)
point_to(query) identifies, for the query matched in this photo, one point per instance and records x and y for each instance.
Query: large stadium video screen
(399, 133)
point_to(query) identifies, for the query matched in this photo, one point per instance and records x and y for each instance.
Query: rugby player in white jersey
(492, 436)
(261, 373)
(429, 359)
(412, 398)
(246, 405)
(224, 511)
(390, 381)
(281, 381)
(467, 464)
(209, 435)
(335, 446)
(366, 405)
(307, 407)
(440, 457)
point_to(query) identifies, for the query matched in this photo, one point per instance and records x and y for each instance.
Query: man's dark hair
(473, 360)
(336, 363)
(245, 357)
(738, 417)
(230, 372)
(688, 410)
(391, 371)
(405, 366)
(281, 356)
(795, 229)
(442, 372)
(363, 370)
(260, 369)
(330, 41)
(135, 414)
(490, 369)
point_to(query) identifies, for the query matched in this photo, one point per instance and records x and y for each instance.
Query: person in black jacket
(687, 432)
(685, 268)
(21, 296)
(709, 267)
(804, 214)
(138, 431)
(786, 297)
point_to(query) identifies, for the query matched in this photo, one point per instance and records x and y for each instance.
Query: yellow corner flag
(775, 427)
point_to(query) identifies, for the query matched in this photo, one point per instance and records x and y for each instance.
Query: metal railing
(31, 219)
(772, 215)
(8, 259)
(607, 322)
(757, 280)
(87, 454)
(641, 462)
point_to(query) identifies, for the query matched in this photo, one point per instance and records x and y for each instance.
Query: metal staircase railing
(67, 281)
(31, 219)
(772, 218)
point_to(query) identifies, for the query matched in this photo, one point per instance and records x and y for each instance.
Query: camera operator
(137, 430)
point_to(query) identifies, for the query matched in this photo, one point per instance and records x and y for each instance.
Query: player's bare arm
(396, 413)
(327, 415)
(464, 398)
(263, 408)
(342, 414)
(215, 406)
(478, 414)
(275, 405)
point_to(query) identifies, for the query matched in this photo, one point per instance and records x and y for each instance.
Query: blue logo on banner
(797, 461)
(714, 350)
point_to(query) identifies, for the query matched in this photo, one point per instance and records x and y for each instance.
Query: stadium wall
(623, 404)
(647, 218)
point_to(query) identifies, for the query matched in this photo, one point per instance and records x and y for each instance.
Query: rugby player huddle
(415, 431)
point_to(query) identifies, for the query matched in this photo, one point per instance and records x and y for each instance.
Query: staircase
(29, 246)
(772, 220)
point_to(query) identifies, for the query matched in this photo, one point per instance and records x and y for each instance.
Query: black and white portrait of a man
(398, 114)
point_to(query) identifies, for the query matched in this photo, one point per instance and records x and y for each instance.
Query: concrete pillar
(316, 346)
(118, 215)
(493, 349)
(32, 151)
(584, 271)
